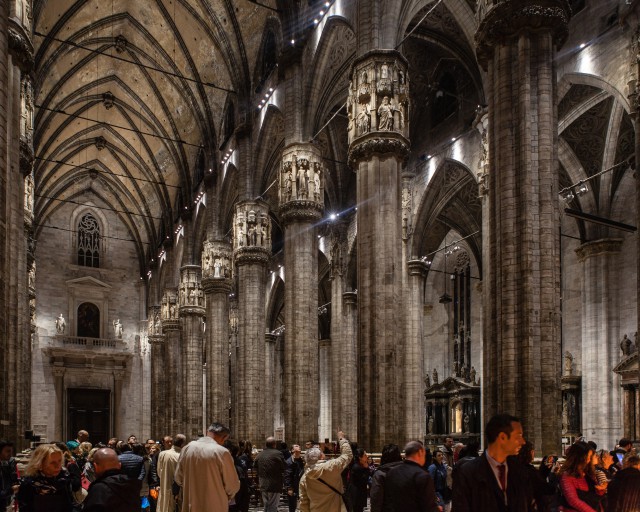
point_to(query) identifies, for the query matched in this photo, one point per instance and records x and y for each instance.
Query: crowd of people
(215, 473)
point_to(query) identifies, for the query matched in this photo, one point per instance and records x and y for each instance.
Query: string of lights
(580, 188)
(74, 166)
(138, 64)
(120, 127)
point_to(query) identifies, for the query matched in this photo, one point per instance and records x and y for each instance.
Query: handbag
(345, 500)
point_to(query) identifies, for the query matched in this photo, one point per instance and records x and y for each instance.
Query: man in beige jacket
(167, 463)
(206, 473)
(321, 485)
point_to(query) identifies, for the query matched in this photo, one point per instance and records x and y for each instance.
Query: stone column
(233, 362)
(118, 410)
(600, 338)
(347, 421)
(252, 249)
(378, 108)
(58, 380)
(192, 312)
(628, 405)
(301, 205)
(216, 282)
(172, 365)
(516, 44)
(344, 371)
(159, 418)
(324, 374)
(270, 388)
(415, 419)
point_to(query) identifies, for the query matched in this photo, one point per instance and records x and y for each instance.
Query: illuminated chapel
(390, 217)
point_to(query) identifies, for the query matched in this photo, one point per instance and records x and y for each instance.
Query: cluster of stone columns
(522, 273)
(17, 269)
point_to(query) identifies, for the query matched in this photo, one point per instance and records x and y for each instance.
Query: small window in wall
(88, 321)
(88, 241)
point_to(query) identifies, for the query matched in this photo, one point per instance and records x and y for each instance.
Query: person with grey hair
(321, 486)
(206, 472)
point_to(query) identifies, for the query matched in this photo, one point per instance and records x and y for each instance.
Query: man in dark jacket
(112, 491)
(408, 487)
(270, 467)
(292, 476)
(391, 458)
(8, 474)
(495, 481)
(132, 464)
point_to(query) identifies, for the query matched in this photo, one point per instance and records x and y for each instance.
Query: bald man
(111, 491)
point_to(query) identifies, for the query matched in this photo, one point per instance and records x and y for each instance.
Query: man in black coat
(269, 465)
(111, 491)
(408, 487)
(292, 475)
(495, 481)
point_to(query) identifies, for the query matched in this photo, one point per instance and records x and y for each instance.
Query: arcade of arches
(392, 217)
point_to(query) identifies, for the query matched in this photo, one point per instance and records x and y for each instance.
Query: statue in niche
(568, 360)
(466, 422)
(28, 193)
(363, 90)
(427, 381)
(165, 309)
(200, 297)
(193, 296)
(217, 265)
(173, 311)
(117, 328)
(430, 425)
(183, 295)
(435, 376)
(288, 177)
(207, 261)
(60, 324)
(625, 345)
(241, 235)
(316, 183)
(363, 122)
(158, 327)
(385, 115)
(150, 326)
(472, 374)
(456, 368)
(253, 237)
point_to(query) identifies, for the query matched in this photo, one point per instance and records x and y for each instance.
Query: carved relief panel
(216, 260)
(154, 327)
(378, 96)
(301, 175)
(252, 226)
(191, 294)
(170, 306)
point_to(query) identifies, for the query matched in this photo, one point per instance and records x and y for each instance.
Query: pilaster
(516, 43)
(378, 110)
(301, 206)
(601, 397)
(158, 387)
(216, 281)
(415, 412)
(192, 312)
(251, 250)
(172, 368)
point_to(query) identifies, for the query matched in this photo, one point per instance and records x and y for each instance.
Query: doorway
(90, 410)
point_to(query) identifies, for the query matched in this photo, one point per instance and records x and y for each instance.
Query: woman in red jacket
(580, 491)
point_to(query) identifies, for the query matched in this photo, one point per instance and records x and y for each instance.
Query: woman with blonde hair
(46, 486)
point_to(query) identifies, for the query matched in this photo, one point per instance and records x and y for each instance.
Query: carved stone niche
(154, 327)
(301, 187)
(378, 95)
(169, 314)
(216, 260)
(191, 294)
(252, 230)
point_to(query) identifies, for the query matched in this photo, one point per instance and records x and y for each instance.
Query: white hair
(312, 456)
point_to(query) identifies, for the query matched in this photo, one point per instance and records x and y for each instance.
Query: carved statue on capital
(252, 226)
(216, 260)
(169, 311)
(568, 360)
(191, 295)
(378, 95)
(301, 183)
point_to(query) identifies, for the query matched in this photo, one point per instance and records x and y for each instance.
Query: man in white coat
(167, 464)
(206, 472)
